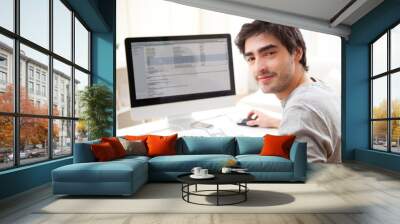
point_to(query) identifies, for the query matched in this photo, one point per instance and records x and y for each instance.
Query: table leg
(196, 188)
(217, 194)
(245, 191)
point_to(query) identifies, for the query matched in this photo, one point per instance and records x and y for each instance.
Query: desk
(223, 123)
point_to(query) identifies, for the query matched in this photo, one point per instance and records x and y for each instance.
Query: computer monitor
(177, 75)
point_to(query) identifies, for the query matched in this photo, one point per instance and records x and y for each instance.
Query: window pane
(379, 98)
(81, 81)
(395, 94)
(7, 14)
(62, 89)
(6, 74)
(34, 97)
(35, 21)
(379, 135)
(62, 29)
(395, 136)
(33, 139)
(81, 131)
(62, 138)
(379, 55)
(81, 45)
(6, 142)
(395, 47)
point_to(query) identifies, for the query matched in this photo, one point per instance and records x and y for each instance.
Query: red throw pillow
(103, 152)
(277, 145)
(116, 145)
(136, 138)
(161, 145)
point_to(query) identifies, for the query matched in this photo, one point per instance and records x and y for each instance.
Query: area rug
(167, 198)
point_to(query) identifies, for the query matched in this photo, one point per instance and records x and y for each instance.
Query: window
(34, 21)
(37, 74)
(81, 81)
(62, 29)
(30, 72)
(37, 89)
(385, 94)
(7, 14)
(44, 91)
(54, 126)
(62, 74)
(3, 72)
(81, 45)
(3, 61)
(6, 73)
(6, 142)
(62, 137)
(3, 78)
(30, 87)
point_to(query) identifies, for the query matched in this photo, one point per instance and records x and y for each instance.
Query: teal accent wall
(356, 99)
(24, 178)
(103, 53)
(99, 16)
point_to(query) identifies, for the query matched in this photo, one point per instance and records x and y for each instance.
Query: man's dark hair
(290, 37)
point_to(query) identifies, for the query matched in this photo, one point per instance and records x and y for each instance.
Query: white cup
(226, 170)
(196, 171)
(203, 172)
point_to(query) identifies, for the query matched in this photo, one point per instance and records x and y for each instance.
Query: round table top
(220, 178)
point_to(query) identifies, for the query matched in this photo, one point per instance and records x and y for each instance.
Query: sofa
(126, 175)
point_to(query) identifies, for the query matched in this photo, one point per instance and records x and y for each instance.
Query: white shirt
(312, 113)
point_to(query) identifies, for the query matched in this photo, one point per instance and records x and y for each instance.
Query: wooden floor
(377, 188)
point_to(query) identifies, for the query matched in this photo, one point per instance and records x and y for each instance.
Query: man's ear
(298, 54)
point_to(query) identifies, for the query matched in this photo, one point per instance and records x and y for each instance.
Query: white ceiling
(324, 16)
(320, 9)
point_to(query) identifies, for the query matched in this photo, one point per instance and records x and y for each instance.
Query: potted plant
(96, 103)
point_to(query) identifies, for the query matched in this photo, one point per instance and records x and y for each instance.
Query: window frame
(388, 74)
(16, 114)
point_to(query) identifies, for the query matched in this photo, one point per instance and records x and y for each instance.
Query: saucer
(208, 176)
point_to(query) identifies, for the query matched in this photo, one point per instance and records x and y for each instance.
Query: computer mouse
(243, 122)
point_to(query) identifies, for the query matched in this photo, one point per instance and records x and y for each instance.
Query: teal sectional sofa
(125, 176)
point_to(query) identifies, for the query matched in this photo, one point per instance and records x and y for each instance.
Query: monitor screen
(179, 68)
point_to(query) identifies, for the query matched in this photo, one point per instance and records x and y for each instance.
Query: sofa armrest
(298, 155)
(83, 152)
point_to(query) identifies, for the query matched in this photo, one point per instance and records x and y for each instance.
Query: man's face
(270, 62)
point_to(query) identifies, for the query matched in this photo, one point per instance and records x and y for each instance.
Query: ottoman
(119, 177)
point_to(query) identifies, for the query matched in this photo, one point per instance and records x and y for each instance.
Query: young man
(276, 56)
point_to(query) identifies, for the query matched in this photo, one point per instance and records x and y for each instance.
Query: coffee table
(238, 179)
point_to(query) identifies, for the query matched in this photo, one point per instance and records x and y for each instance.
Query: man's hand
(262, 120)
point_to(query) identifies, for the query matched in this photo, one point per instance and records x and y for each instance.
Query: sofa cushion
(116, 145)
(257, 163)
(277, 145)
(249, 145)
(185, 163)
(136, 137)
(111, 171)
(193, 145)
(161, 145)
(103, 152)
(134, 147)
